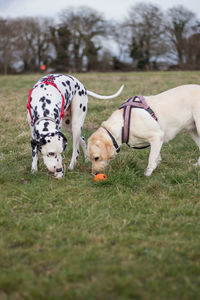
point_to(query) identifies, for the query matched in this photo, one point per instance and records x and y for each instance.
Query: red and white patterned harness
(127, 106)
(49, 80)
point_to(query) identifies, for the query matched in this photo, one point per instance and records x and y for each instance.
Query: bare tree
(121, 35)
(33, 42)
(193, 52)
(145, 22)
(61, 40)
(86, 25)
(180, 25)
(8, 40)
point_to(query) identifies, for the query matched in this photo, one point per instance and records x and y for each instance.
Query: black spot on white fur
(43, 106)
(46, 112)
(42, 99)
(46, 124)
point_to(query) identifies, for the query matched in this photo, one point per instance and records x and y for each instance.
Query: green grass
(130, 237)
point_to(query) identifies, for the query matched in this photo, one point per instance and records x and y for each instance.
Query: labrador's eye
(96, 158)
(51, 154)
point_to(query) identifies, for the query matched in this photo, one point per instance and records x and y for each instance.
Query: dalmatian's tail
(94, 95)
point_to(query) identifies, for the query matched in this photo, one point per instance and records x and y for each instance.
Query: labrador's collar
(115, 144)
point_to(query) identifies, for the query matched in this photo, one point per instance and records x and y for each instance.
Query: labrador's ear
(64, 140)
(109, 151)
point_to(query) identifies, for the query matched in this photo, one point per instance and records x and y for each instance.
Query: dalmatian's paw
(34, 170)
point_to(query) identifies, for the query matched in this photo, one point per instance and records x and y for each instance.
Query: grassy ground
(130, 237)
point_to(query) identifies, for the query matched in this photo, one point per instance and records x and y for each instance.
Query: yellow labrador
(176, 110)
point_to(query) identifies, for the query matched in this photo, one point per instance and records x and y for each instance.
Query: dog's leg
(75, 154)
(196, 139)
(67, 122)
(84, 147)
(68, 126)
(34, 166)
(154, 156)
(159, 159)
(78, 113)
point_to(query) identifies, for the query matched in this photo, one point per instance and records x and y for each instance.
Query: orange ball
(100, 177)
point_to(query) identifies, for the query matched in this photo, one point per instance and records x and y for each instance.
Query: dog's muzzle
(59, 170)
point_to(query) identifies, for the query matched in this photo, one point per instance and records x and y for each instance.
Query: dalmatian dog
(54, 100)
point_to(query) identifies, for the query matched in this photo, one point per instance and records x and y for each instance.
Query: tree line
(82, 40)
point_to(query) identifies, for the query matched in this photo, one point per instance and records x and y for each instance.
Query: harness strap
(127, 106)
(117, 147)
(29, 104)
(49, 80)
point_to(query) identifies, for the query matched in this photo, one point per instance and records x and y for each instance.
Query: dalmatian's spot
(67, 95)
(46, 112)
(42, 99)
(46, 126)
(77, 86)
(56, 113)
(43, 106)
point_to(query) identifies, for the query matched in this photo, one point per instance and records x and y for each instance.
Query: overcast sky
(112, 9)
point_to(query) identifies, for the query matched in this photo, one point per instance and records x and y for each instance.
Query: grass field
(130, 237)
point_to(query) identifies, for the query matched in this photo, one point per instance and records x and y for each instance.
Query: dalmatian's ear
(42, 142)
(64, 140)
(34, 143)
(38, 144)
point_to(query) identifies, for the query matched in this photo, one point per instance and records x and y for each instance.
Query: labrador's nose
(59, 170)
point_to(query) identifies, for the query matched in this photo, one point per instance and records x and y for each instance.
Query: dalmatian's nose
(59, 170)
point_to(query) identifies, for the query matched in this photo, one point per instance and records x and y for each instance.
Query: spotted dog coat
(44, 117)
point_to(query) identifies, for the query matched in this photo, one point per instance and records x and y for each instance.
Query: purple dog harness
(127, 106)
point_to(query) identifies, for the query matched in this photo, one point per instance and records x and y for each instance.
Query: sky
(111, 9)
